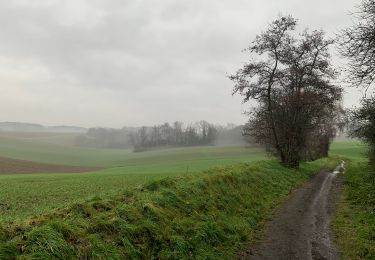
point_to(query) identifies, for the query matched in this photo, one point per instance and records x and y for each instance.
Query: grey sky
(121, 62)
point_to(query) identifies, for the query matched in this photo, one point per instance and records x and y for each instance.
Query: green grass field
(22, 196)
(67, 139)
(206, 216)
(81, 156)
(30, 196)
(350, 149)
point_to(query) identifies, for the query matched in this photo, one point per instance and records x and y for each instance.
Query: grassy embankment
(206, 216)
(354, 222)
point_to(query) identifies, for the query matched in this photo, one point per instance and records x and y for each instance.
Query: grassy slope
(68, 139)
(350, 149)
(60, 154)
(207, 216)
(354, 222)
(35, 150)
(81, 156)
(22, 196)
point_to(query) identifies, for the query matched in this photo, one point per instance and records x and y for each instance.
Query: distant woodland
(164, 135)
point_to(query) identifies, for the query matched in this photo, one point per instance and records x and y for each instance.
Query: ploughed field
(44, 188)
(15, 166)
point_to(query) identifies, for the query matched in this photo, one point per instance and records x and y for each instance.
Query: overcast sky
(137, 62)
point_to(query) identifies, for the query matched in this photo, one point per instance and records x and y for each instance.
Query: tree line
(176, 134)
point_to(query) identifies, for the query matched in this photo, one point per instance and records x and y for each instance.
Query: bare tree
(290, 77)
(319, 140)
(357, 43)
(178, 132)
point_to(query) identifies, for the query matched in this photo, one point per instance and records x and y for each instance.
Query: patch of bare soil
(14, 166)
(301, 228)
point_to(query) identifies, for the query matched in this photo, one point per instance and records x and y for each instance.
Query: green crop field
(68, 139)
(81, 156)
(25, 197)
(22, 196)
(350, 149)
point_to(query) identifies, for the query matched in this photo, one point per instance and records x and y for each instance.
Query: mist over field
(142, 138)
(231, 129)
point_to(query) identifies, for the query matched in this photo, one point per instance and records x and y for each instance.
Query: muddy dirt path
(301, 228)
